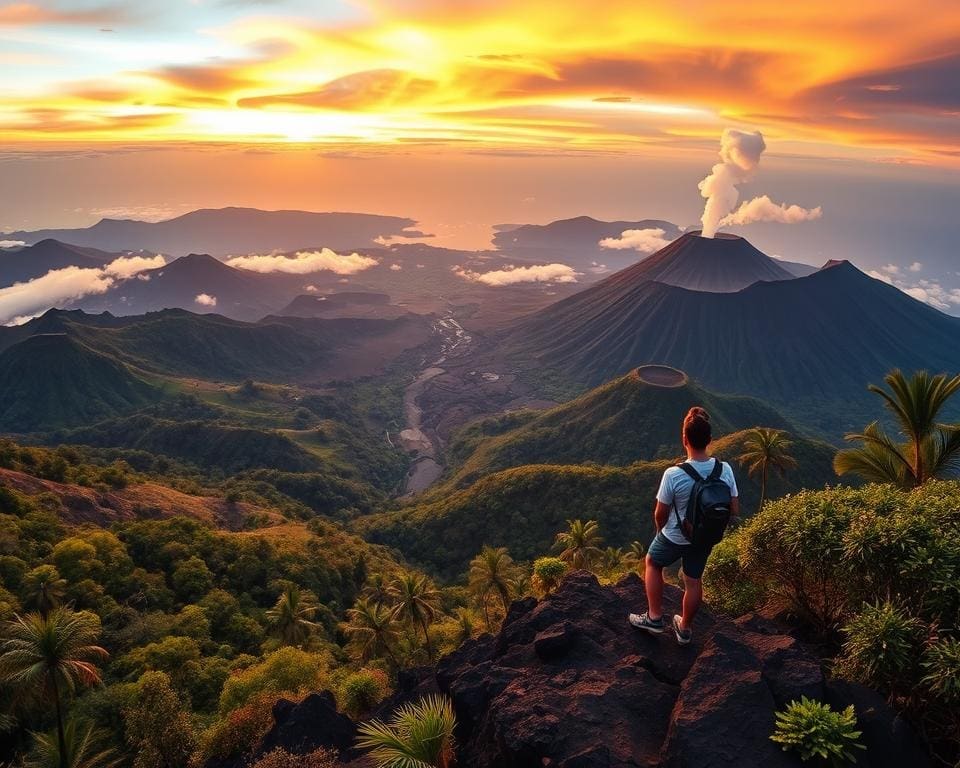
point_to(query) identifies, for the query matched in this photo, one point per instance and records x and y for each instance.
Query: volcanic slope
(53, 380)
(808, 345)
(721, 264)
(633, 418)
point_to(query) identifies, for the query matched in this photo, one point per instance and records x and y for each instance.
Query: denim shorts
(665, 553)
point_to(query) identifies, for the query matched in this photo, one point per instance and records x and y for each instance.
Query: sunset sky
(464, 114)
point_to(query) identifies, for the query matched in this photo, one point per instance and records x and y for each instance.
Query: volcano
(239, 294)
(808, 344)
(721, 264)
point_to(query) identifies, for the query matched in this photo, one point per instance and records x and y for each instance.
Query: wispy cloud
(305, 262)
(643, 240)
(546, 273)
(59, 286)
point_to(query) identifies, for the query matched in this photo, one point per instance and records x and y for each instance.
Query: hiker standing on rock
(696, 501)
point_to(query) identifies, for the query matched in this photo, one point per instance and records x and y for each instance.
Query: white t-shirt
(675, 488)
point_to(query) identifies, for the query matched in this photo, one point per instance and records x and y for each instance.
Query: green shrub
(941, 662)
(882, 644)
(547, 573)
(288, 669)
(726, 584)
(812, 729)
(362, 691)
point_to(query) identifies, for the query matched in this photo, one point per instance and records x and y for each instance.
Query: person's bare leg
(692, 597)
(653, 579)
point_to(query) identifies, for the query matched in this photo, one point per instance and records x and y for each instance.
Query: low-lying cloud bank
(22, 301)
(643, 240)
(305, 262)
(764, 209)
(928, 291)
(543, 273)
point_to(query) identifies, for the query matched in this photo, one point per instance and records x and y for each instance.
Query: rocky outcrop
(568, 683)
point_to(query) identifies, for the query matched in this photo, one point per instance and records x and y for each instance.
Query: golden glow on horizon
(550, 75)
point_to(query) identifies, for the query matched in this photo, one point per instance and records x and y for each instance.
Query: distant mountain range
(224, 231)
(177, 343)
(574, 241)
(21, 264)
(810, 343)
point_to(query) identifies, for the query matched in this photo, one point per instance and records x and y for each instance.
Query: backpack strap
(694, 475)
(717, 470)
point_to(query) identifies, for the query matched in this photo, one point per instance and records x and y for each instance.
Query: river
(426, 466)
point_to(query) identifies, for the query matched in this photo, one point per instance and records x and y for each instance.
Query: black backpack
(708, 511)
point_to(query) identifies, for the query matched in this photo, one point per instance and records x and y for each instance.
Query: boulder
(309, 725)
(567, 682)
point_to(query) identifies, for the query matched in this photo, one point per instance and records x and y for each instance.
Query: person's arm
(661, 512)
(734, 493)
(735, 509)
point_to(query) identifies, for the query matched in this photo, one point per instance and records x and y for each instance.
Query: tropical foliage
(765, 449)
(928, 449)
(418, 736)
(873, 573)
(815, 731)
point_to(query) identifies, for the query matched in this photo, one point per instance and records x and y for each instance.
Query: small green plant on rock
(547, 574)
(418, 736)
(815, 731)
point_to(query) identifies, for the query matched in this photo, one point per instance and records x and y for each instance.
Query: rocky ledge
(568, 683)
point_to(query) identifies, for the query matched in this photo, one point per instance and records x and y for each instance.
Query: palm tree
(376, 589)
(418, 736)
(372, 628)
(47, 656)
(930, 449)
(46, 587)
(291, 619)
(416, 600)
(580, 543)
(82, 749)
(493, 570)
(765, 448)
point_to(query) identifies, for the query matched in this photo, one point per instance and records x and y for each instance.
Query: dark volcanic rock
(309, 725)
(568, 683)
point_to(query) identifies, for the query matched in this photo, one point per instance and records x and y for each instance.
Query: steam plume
(764, 209)
(739, 154)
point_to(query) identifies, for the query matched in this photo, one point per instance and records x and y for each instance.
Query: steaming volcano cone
(811, 343)
(721, 264)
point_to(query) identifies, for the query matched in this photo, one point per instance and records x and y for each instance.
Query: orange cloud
(27, 14)
(530, 74)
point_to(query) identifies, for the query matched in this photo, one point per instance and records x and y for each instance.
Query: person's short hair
(696, 428)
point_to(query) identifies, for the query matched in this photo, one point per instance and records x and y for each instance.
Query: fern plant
(418, 736)
(815, 731)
